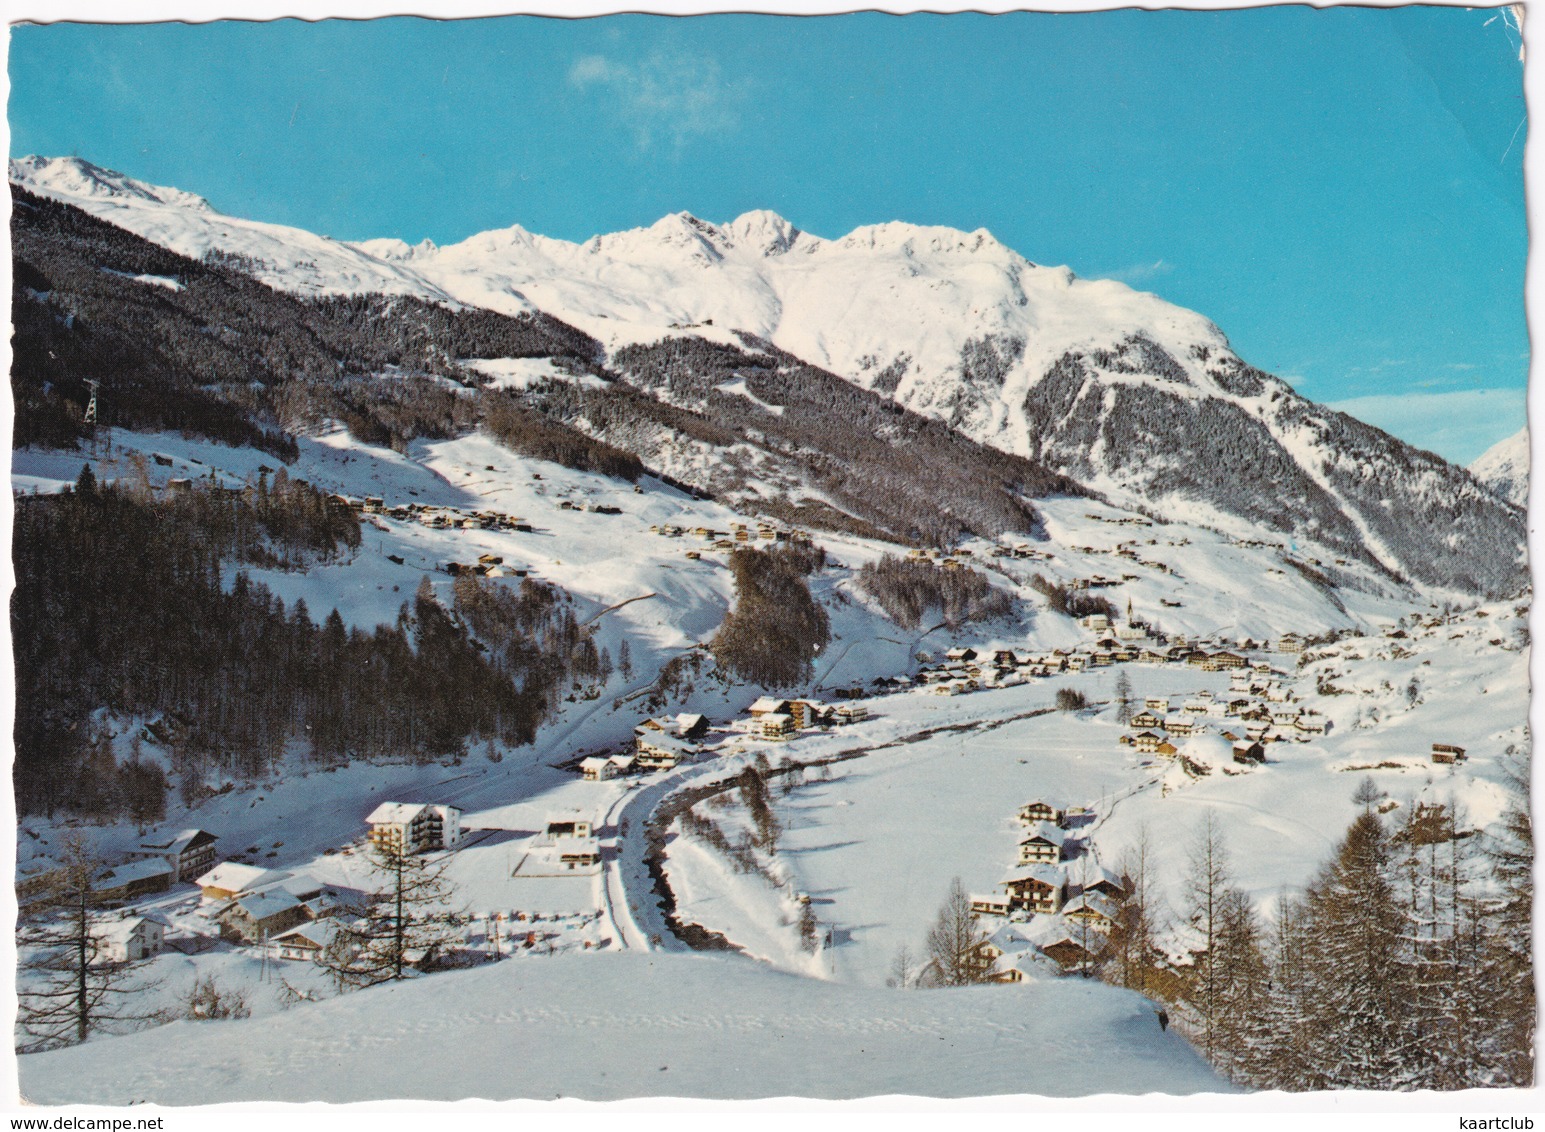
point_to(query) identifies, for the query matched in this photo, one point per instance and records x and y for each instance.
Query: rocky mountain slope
(1142, 400)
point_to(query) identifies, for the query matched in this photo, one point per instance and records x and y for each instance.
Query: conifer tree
(67, 986)
(1355, 998)
(405, 923)
(1206, 887)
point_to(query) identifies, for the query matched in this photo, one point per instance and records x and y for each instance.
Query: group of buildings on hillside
(242, 903)
(1055, 909)
(662, 743)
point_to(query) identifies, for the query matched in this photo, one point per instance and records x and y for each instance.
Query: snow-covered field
(610, 1026)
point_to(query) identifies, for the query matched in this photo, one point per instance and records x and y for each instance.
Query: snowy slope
(1142, 399)
(289, 259)
(1504, 467)
(608, 1027)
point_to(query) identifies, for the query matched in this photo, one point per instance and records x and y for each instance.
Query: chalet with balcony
(189, 853)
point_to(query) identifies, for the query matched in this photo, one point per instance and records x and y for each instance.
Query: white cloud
(669, 95)
(1458, 425)
(1137, 272)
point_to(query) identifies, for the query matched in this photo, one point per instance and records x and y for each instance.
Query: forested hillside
(204, 348)
(120, 604)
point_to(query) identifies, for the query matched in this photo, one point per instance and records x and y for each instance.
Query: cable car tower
(91, 411)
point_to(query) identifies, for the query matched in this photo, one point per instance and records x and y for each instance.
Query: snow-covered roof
(575, 845)
(1209, 750)
(594, 762)
(118, 931)
(318, 932)
(1045, 831)
(1050, 803)
(302, 886)
(233, 876)
(1046, 874)
(1010, 938)
(767, 703)
(1088, 872)
(269, 902)
(670, 743)
(1094, 902)
(132, 871)
(178, 842)
(394, 813)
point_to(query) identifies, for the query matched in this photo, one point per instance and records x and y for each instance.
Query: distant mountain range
(750, 325)
(1504, 467)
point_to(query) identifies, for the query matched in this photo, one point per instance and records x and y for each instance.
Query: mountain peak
(77, 177)
(912, 239)
(763, 231)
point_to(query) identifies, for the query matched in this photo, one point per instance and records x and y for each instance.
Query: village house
(130, 938)
(1040, 810)
(1310, 723)
(658, 750)
(569, 824)
(1181, 725)
(808, 713)
(624, 763)
(1035, 888)
(691, 726)
(258, 916)
(1074, 949)
(1043, 845)
(1226, 660)
(597, 769)
(850, 713)
(188, 853)
(1447, 753)
(230, 879)
(308, 941)
(579, 853)
(773, 725)
(1249, 754)
(1146, 742)
(989, 904)
(1095, 877)
(768, 705)
(1091, 908)
(125, 882)
(1147, 719)
(413, 827)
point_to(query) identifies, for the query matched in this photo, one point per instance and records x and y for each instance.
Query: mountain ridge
(1144, 401)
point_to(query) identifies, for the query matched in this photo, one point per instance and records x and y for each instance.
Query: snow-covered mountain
(1504, 467)
(289, 259)
(1141, 399)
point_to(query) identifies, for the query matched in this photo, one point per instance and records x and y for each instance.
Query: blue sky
(1340, 190)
